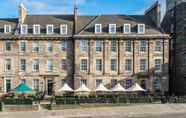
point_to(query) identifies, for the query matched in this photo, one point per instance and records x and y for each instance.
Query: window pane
(98, 45)
(23, 65)
(143, 46)
(128, 64)
(50, 65)
(128, 46)
(35, 65)
(23, 46)
(36, 84)
(98, 64)
(8, 65)
(83, 65)
(143, 65)
(113, 65)
(113, 45)
(50, 46)
(98, 82)
(158, 46)
(83, 81)
(8, 86)
(63, 45)
(63, 29)
(157, 65)
(35, 46)
(84, 45)
(8, 46)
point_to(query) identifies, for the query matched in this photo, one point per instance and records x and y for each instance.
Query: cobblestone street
(133, 111)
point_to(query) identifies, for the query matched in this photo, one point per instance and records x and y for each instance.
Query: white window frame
(37, 60)
(50, 25)
(146, 65)
(99, 65)
(110, 27)
(86, 65)
(96, 28)
(139, 25)
(34, 29)
(20, 46)
(99, 45)
(158, 71)
(26, 26)
(61, 29)
(50, 65)
(156, 47)
(5, 63)
(116, 65)
(36, 42)
(21, 65)
(50, 45)
(127, 65)
(124, 28)
(9, 28)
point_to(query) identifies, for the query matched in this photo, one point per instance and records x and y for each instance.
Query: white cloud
(38, 5)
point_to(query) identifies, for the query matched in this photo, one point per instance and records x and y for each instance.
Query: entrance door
(50, 87)
(8, 86)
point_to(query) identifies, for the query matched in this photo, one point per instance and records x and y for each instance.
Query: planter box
(15, 108)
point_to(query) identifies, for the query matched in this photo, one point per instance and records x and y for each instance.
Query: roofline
(152, 7)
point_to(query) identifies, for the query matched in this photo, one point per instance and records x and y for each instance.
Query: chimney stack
(75, 16)
(154, 12)
(22, 12)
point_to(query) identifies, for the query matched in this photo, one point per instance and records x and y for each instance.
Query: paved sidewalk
(133, 111)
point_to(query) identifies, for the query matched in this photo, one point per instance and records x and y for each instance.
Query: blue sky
(9, 8)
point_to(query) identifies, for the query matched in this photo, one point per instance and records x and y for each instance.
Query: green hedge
(119, 99)
(18, 101)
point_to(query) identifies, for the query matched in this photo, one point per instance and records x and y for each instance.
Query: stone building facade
(46, 51)
(174, 24)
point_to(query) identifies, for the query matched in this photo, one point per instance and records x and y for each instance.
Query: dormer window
(50, 29)
(24, 29)
(98, 28)
(7, 28)
(141, 28)
(112, 28)
(36, 29)
(64, 29)
(126, 28)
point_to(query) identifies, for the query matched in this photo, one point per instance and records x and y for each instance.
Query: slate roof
(86, 24)
(44, 20)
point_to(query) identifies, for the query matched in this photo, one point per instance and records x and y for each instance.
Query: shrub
(19, 101)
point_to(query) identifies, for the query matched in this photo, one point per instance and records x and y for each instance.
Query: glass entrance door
(8, 86)
(50, 87)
